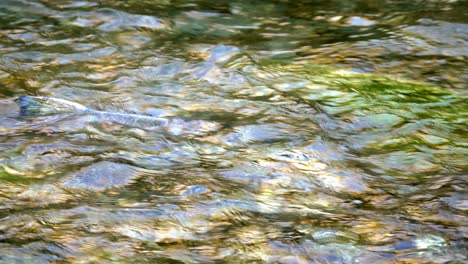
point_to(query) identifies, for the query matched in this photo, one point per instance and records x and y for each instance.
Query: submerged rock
(372, 121)
(457, 202)
(43, 195)
(422, 243)
(334, 236)
(341, 181)
(249, 134)
(102, 175)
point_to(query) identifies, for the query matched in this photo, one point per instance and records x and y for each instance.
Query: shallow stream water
(300, 132)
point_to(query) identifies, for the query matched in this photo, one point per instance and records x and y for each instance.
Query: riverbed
(301, 132)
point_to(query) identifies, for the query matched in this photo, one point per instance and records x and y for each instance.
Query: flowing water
(299, 132)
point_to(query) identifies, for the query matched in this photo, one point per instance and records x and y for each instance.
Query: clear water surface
(301, 132)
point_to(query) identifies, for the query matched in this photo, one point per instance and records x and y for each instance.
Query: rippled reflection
(298, 132)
